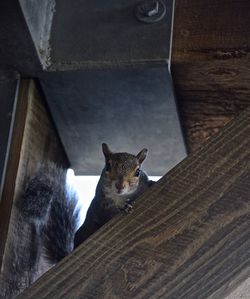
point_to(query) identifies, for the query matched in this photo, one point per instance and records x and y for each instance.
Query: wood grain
(189, 236)
(210, 64)
(34, 141)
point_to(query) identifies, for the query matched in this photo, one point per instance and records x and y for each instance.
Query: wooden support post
(189, 236)
(34, 141)
(210, 64)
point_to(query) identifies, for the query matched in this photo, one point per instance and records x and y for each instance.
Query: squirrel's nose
(119, 186)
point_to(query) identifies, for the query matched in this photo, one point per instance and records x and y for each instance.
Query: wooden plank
(34, 141)
(210, 27)
(189, 236)
(209, 96)
(210, 64)
(8, 89)
(10, 176)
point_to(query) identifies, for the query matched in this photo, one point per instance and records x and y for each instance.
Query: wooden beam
(34, 141)
(210, 64)
(189, 236)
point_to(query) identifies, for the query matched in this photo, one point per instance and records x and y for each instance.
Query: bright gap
(85, 188)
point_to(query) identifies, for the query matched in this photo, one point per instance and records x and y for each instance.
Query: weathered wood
(210, 64)
(189, 236)
(34, 141)
(8, 87)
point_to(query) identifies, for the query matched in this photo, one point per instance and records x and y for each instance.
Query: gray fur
(43, 223)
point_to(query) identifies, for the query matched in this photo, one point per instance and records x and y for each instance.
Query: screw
(150, 11)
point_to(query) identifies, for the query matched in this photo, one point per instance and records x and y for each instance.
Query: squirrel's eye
(137, 173)
(108, 167)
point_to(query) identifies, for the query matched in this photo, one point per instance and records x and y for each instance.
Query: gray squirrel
(122, 181)
(44, 221)
(45, 217)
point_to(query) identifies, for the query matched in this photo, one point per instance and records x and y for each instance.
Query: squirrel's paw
(128, 208)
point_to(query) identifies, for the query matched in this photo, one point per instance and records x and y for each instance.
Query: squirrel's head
(123, 170)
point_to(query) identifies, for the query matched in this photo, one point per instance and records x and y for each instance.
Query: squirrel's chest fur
(111, 200)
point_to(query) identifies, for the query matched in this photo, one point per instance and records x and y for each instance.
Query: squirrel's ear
(106, 151)
(142, 155)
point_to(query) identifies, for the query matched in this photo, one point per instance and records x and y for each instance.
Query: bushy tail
(42, 229)
(58, 236)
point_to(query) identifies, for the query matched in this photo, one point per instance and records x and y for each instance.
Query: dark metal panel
(101, 32)
(127, 108)
(17, 51)
(71, 35)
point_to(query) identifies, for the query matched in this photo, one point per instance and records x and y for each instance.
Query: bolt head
(150, 11)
